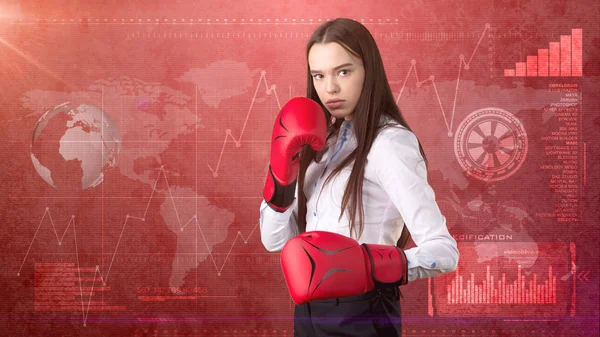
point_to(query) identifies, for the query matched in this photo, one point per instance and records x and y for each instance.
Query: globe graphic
(72, 147)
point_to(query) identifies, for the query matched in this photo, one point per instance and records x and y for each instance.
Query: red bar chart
(563, 58)
(488, 291)
(507, 279)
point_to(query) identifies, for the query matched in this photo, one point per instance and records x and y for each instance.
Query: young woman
(366, 180)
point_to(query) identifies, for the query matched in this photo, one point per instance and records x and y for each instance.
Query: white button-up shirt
(395, 193)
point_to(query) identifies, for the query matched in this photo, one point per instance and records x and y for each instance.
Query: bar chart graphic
(507, 279)
(488, 291)
(562, 58)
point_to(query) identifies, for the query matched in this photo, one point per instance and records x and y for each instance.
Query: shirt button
(315, 213)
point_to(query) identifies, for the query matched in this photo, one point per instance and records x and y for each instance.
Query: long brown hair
(376, 99)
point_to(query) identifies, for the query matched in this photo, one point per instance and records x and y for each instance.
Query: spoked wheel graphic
(491, 144)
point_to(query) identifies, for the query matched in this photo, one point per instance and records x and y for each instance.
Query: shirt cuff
(420, 266)
(273, 215)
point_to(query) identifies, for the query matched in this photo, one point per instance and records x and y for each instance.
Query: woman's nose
(332, 85)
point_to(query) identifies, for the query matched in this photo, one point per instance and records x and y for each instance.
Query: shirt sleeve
(402, 173)
(276, 228)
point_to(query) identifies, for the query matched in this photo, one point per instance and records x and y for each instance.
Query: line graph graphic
(104, 277)
(238, 141)
(272, 89)
(431, 78)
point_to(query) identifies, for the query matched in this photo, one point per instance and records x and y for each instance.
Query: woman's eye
(316, 76)
(344, 72)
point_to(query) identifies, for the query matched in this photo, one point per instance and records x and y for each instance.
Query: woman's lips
(335, 104)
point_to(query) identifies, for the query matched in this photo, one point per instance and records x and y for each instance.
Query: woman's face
(338, 77)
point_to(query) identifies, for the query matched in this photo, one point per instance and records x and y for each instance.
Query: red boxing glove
(300, 122)
(324, 265)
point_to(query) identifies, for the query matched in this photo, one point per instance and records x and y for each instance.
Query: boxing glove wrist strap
(281, 197)
(389, 267)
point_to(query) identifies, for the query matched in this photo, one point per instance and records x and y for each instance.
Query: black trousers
(376, 313)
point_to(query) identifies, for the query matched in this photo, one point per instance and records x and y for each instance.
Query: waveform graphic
(97, 272)
(431, 78)
(563, 58)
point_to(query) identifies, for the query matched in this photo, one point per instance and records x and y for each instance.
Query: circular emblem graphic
(490, 144)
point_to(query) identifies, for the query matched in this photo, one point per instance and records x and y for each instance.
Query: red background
(174, 77)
